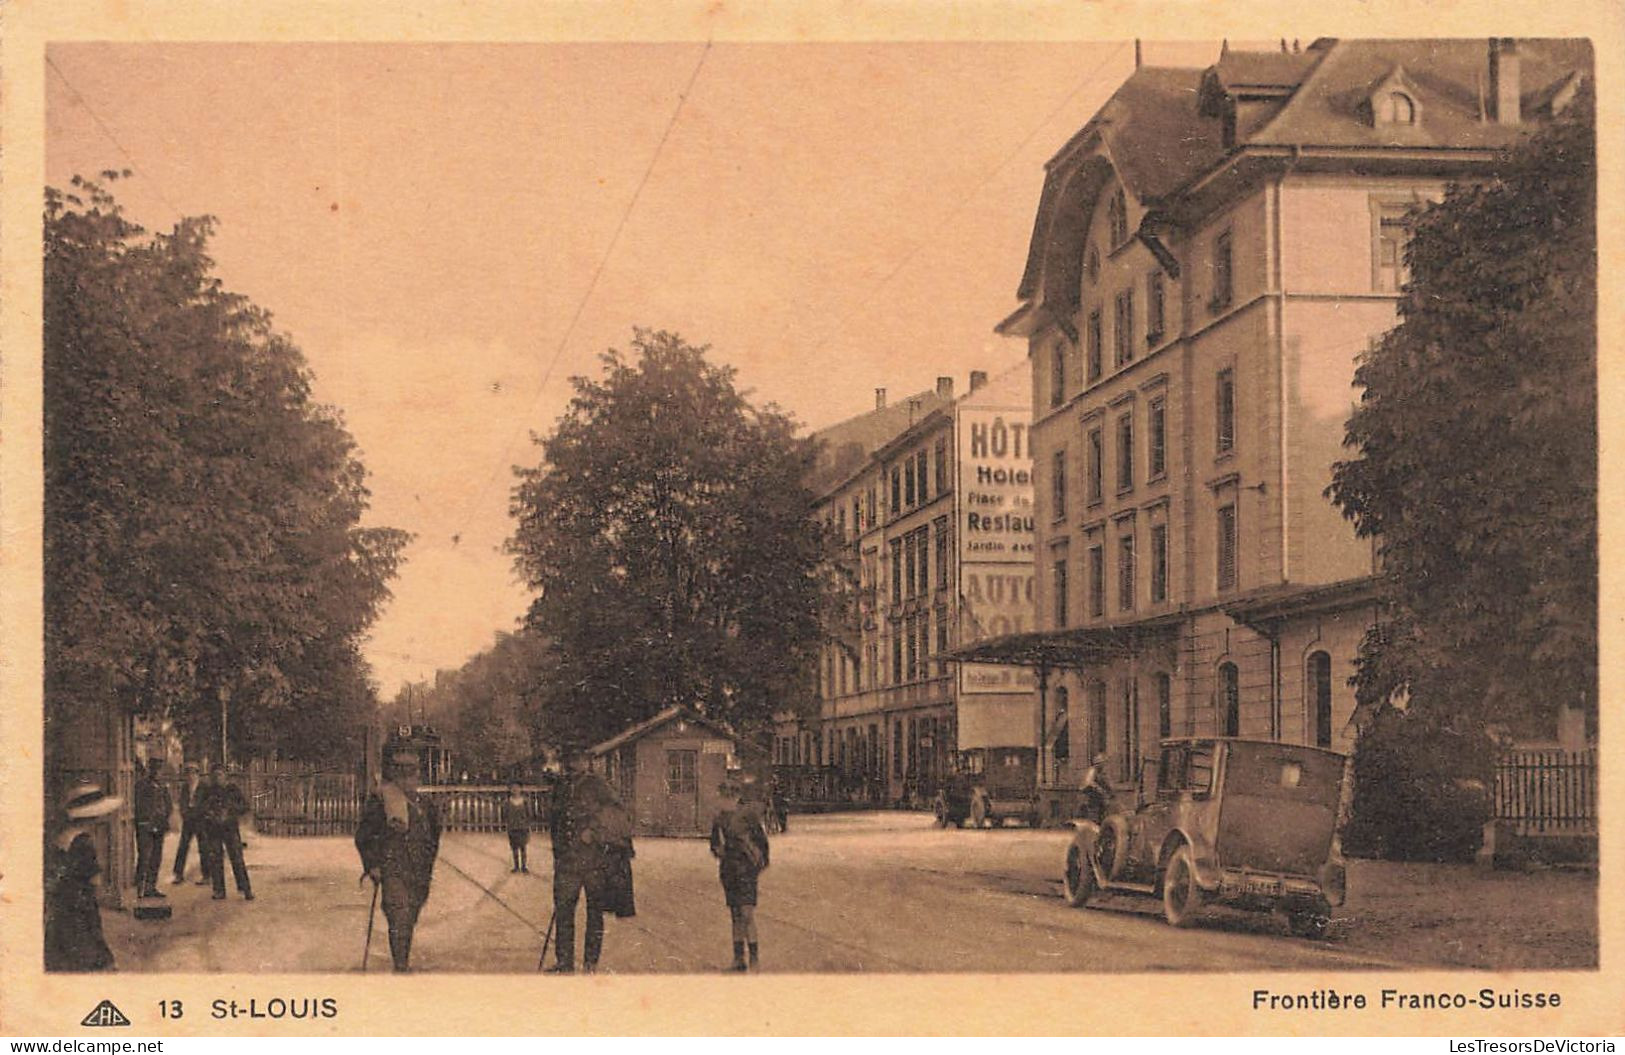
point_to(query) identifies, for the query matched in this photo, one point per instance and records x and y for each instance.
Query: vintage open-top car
(1247, 823)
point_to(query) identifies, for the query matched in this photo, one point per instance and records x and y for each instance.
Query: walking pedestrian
(781, 809)
(73, 917)
(516, 818)
(398, 838)
(152, 808)
(739, 842)
(222, 805)
(190, 792)
(592, 853)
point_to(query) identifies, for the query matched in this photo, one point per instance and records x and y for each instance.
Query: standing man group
(220, 805)
(592, 854)
(152, 808)
(398, 838)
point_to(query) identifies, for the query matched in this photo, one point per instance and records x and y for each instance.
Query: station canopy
(1069, 649)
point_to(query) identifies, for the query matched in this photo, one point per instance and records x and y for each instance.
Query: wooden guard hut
(667, 770)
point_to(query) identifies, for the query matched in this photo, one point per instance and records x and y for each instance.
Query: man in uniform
(191, 792)
(152, 808)
(399, 837)
(220, 805)
(592, 852)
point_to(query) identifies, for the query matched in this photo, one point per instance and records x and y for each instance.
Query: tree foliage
(1476, 435)
(668, 536)
(202, 537)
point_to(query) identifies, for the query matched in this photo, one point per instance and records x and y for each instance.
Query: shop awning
(1074, 648)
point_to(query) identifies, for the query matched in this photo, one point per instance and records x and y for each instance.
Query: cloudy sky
(426, 221)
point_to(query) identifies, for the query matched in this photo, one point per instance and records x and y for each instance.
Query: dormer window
(1393, 101)
(1397, 108)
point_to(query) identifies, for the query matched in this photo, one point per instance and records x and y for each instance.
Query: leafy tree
(201, 510)
(1476, 435)
(669, 538)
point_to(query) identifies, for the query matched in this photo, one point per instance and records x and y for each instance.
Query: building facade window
(1061, 737)
(921, 475)
(1131, 730)
(896, 490)
(1320, 696)
(897, 748)
(1123, 328)
(1059, 586)
(897, 654)
(943, 644)
(1093, 364)
(1117, 218)
(908, 483)
(1156, 307)
(1159, 563)
(896, 571)
(922, 567)
(1125, 453)
(910, 566)
(872, 518)
(1165, 705)
(1226, 577)
(1097, 719)
(1097, 581)
(1392, 236)
(942, 467)
(1057, 374)
(911, 648)
(940, 530)
(1096, 467)
(1224, 411)
(1229, 700)
(1125, 573)
(1058, 483)
(1397, 108)
(1156, 447)
(1224, 282)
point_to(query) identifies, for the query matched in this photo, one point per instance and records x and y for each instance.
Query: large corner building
(1211, 254)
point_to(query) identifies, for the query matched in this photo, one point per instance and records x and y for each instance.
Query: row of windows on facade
(911, 560)
(1317, 678)
(1224, 443)
(915, 639)
(918, 744)
(1392, 232)
(1225, 571)
(911, 484)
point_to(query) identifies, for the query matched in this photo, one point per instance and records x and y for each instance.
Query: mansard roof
(1164, 128)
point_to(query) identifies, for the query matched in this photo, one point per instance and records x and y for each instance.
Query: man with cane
(592, 854)
(398, 838)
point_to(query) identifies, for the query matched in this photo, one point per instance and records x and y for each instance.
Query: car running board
(1132, 888)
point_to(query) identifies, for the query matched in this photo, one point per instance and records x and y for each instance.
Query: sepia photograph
(698, 507)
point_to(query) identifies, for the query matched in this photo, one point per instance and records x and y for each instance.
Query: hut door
(682, 790)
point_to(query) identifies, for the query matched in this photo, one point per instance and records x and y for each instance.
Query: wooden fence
(1547, 792)
(477, 808)
(290, 803)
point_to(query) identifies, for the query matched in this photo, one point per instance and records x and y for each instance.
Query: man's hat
(89, 800)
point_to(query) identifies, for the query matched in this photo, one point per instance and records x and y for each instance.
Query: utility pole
(224, 695)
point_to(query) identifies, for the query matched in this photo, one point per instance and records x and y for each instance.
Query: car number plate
(1262, 885)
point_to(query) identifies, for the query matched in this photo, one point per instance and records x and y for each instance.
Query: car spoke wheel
(942, 813)
(1080, 878)
(1181, 897)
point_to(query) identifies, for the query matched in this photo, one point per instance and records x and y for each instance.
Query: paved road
(848, 892)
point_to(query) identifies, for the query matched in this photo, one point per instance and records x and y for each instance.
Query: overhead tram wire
(592, 285)
(914, 250)
(135, 166)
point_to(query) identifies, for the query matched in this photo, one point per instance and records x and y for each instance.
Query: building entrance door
(682, 790)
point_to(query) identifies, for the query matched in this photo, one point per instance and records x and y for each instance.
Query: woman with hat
(73, 918)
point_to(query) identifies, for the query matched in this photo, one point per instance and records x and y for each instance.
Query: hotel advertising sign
(995, 538)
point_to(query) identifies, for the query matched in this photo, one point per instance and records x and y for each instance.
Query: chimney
(880, 399)
(1505, 89)
(978, 378)
(945, 387)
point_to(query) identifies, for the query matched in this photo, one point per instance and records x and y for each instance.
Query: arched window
(1398, 109)
(1229, 700)
(1320, 697)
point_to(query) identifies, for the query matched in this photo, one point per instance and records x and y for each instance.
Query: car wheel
(998, 820)
(978, 812)
(941, 809)
(1181, 897)
(1079, 879)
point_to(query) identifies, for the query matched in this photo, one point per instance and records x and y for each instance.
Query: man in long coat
(399, 837)
(592, 853)
(191, 792)
(152, 808)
